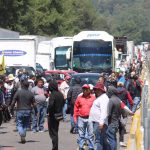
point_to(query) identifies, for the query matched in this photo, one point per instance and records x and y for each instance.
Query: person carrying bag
(55, 112)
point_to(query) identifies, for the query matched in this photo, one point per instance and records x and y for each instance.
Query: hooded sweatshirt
(56, 99)
(114, 107)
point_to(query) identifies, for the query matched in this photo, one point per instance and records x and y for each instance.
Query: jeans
(85, 129)
(136, 101)
(38, 121)
(111, 137)
(65, 109)
(23, 120)
(100, 137)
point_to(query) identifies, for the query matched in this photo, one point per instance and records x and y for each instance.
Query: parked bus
(93, 51)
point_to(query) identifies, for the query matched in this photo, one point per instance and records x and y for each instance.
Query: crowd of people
(97, 112)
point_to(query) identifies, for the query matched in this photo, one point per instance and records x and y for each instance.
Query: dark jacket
(1, 97)
(73, 93)
(72, 96)
(114, 107)
(1, 102)
(56, 99)
(135, 88)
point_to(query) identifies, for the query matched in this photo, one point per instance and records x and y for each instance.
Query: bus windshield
(60, 57)
(91, 55)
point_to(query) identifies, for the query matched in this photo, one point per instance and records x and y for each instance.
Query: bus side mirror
(68, 54)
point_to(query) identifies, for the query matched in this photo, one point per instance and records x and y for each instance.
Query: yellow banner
(2, 65)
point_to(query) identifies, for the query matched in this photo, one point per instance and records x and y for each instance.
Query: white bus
(93, 51)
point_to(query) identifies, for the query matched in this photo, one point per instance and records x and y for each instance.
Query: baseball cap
(86, 86)
(99, 86)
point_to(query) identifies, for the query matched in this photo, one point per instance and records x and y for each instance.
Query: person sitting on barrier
(135, 90)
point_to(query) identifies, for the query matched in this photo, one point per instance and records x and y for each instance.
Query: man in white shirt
(64, 88)
(99, 117)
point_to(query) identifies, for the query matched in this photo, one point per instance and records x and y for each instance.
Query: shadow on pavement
(29, 141)
(2, 127)
(3, 132)
(1, 146)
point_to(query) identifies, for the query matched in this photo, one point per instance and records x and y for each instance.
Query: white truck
(52, 54)
(130, 51)
(18, 52)
(43, 55)
(59, 48)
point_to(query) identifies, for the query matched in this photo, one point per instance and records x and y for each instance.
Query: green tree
(12, 13)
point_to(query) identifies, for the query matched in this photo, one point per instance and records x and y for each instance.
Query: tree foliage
(67, 17)
(127, 17)
(50, 17)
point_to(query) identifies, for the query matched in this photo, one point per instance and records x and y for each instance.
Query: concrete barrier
(134, 141)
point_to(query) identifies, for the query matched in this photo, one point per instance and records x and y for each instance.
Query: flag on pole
(2, 65)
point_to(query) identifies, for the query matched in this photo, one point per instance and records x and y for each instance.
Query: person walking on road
(64, 88)
(55, 114)
(40, 97)
(82, 108)
(25, 100)
(99, 117)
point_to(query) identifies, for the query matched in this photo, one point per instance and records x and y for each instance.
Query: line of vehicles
(88, 51)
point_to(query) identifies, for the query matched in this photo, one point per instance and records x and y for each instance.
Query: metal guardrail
(145, 115)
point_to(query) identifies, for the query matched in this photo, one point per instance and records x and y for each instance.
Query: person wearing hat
(9, 84)
(64, 88)
(99, 117)
(82, 108)
(8, 87)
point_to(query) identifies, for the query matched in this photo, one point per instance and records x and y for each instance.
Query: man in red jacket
(82, 108)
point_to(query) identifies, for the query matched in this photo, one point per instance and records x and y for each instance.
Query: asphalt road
(10, 140)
